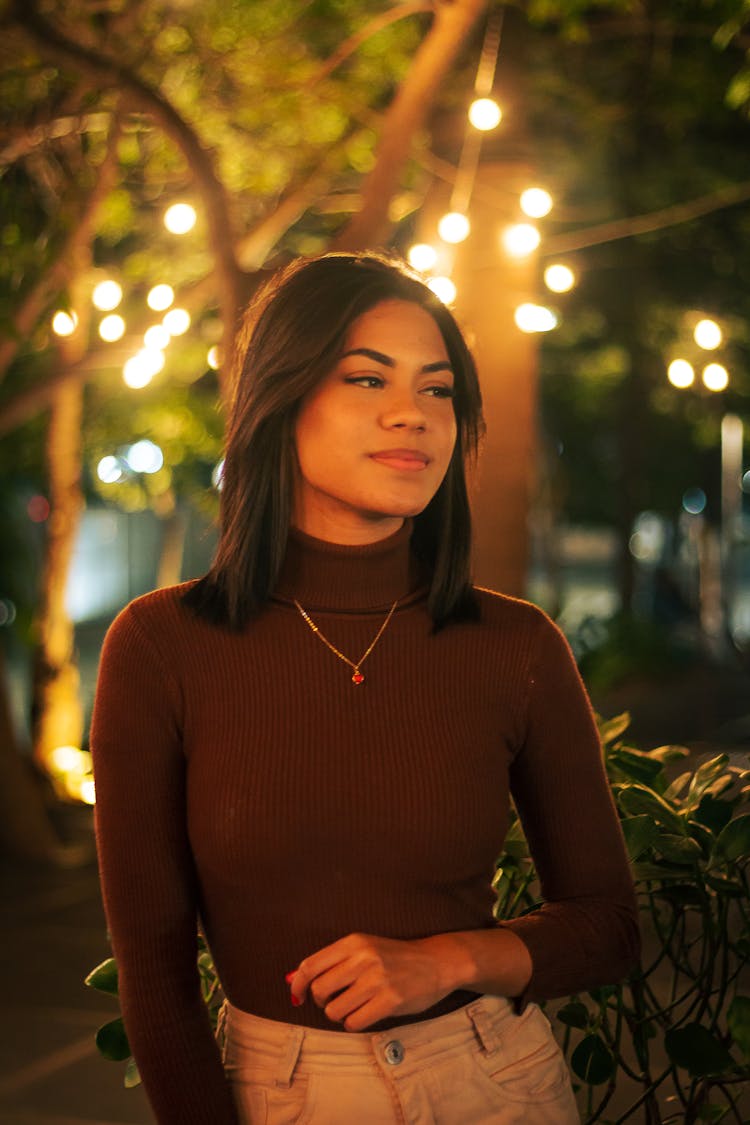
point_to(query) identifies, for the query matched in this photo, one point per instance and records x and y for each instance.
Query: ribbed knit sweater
(244, 779)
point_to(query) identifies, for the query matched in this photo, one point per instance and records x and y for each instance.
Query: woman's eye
(364, 380)
(440, 391)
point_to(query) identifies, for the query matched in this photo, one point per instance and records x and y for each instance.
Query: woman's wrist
(494, 961)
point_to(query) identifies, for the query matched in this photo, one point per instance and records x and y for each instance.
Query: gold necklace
(357, 677)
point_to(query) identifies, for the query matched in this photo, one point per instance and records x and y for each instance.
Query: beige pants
(478, 1065)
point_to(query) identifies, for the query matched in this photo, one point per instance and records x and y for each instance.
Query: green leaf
(635, 765)
(678, 785)
(132, 1074)
(738, 1023)
(679, 849)
(640, 833)
(592, 1061)
(669, 753)
(112, 1040)
(704, 776)
(733, 841)
(648, 872)
(611, 729)
(637, 800)
(104, 977)
(574, 1014)
(694, 1048)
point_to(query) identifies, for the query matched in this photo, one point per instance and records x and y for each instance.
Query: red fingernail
(290, 976)
(295, 1001)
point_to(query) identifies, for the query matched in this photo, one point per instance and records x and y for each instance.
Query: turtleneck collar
(335, 576)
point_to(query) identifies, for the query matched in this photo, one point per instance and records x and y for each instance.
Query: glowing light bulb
(443, 288)
(422, 256)
(160, 297)
(109, 470)
(536, 202)
(176, 321)
(707, 335)
(559, 278)
(212, 359)
(106, 296)
(485, 114)
(681, 373)
(521, 239)
(112, 328)
(535, 318)
(454, 227)
(64, 759)
(715, 377)
(141, 368)
(179, 218)
(157, 336)
(144, 457)
(64, 323)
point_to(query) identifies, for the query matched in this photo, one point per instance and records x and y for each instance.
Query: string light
(160, 297)
(140, 369)
(715, 377)
(112, 328)
(559, 278)
(443, 288)
(680, 373)
(176, 321)
(707, 335)
(535, 318)
(536, 202)
(485, 114)
(64, 323)
(157, 336)
(520, 239)
(422, 256)
(454, 227)
(212, 359)
(144, 457)
(106, 296)
(179, 218)
(109, 470)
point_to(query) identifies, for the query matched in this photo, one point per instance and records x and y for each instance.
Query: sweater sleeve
(586, 932)
(148, 878)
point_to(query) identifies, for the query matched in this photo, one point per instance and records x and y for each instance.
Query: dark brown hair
(293, 334)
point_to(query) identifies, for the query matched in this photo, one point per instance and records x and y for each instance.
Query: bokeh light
(140, 369)
(37, 508)
(176, 321)
(422, 256)
(112, 328)
(157, 336)
(694, 501)
(454, 227)
(179, 218)
(443, 288)
(535, 318)
(559, 278)
(536, 202)
(520, 239)
(707, 335)
(217, 475)
(160, 297)
(681, 373)
(64, 323)
(715, 377)
(109, 470)
(485, 114)
(144, 457)
(106, 296)
(213, 358)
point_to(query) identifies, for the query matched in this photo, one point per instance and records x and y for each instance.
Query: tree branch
(108, 73)
(355, 41)
(645, 224)
(54, 277)
(408, 111)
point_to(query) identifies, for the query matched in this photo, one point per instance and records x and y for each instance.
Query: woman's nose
(404, 413)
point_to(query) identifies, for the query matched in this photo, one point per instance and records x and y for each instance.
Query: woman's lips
(409, 460)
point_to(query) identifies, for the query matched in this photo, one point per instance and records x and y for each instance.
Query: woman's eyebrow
(389, 361)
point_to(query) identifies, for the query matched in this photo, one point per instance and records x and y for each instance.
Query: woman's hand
(360, 980)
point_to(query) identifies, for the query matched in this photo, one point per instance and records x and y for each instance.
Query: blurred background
(573, 178)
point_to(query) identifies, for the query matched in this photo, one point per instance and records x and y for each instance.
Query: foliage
(679, 1025)
(677, 1032)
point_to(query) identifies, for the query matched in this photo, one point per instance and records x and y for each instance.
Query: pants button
(394, 1052)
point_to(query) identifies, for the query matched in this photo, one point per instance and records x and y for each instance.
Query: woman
(312, 749)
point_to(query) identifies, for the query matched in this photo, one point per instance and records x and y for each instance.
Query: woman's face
(375, 437)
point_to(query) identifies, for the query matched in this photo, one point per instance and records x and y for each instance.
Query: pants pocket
(527, 1065)
(260, 1101)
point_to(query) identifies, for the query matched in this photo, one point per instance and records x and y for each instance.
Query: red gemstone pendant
(358, 678)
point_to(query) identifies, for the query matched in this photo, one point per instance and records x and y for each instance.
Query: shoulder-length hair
(293, 334)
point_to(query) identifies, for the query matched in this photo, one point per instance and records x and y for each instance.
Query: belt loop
(490, 1037)
(289, 1058)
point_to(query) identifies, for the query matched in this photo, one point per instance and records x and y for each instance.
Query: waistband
(254, 1043)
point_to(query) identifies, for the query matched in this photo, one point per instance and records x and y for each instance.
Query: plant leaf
(697, 1050)
(679, 849)
(132, 1074)
(640, 833)
(738, 1023)
(112, 1040)
(733, 841)
(637, 799)
(592, 1061)
(104, 977)
(574, 1014)
(635, 765)
(704, 776)
(611, 729)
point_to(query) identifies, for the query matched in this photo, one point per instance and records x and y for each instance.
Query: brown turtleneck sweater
(245, 778)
